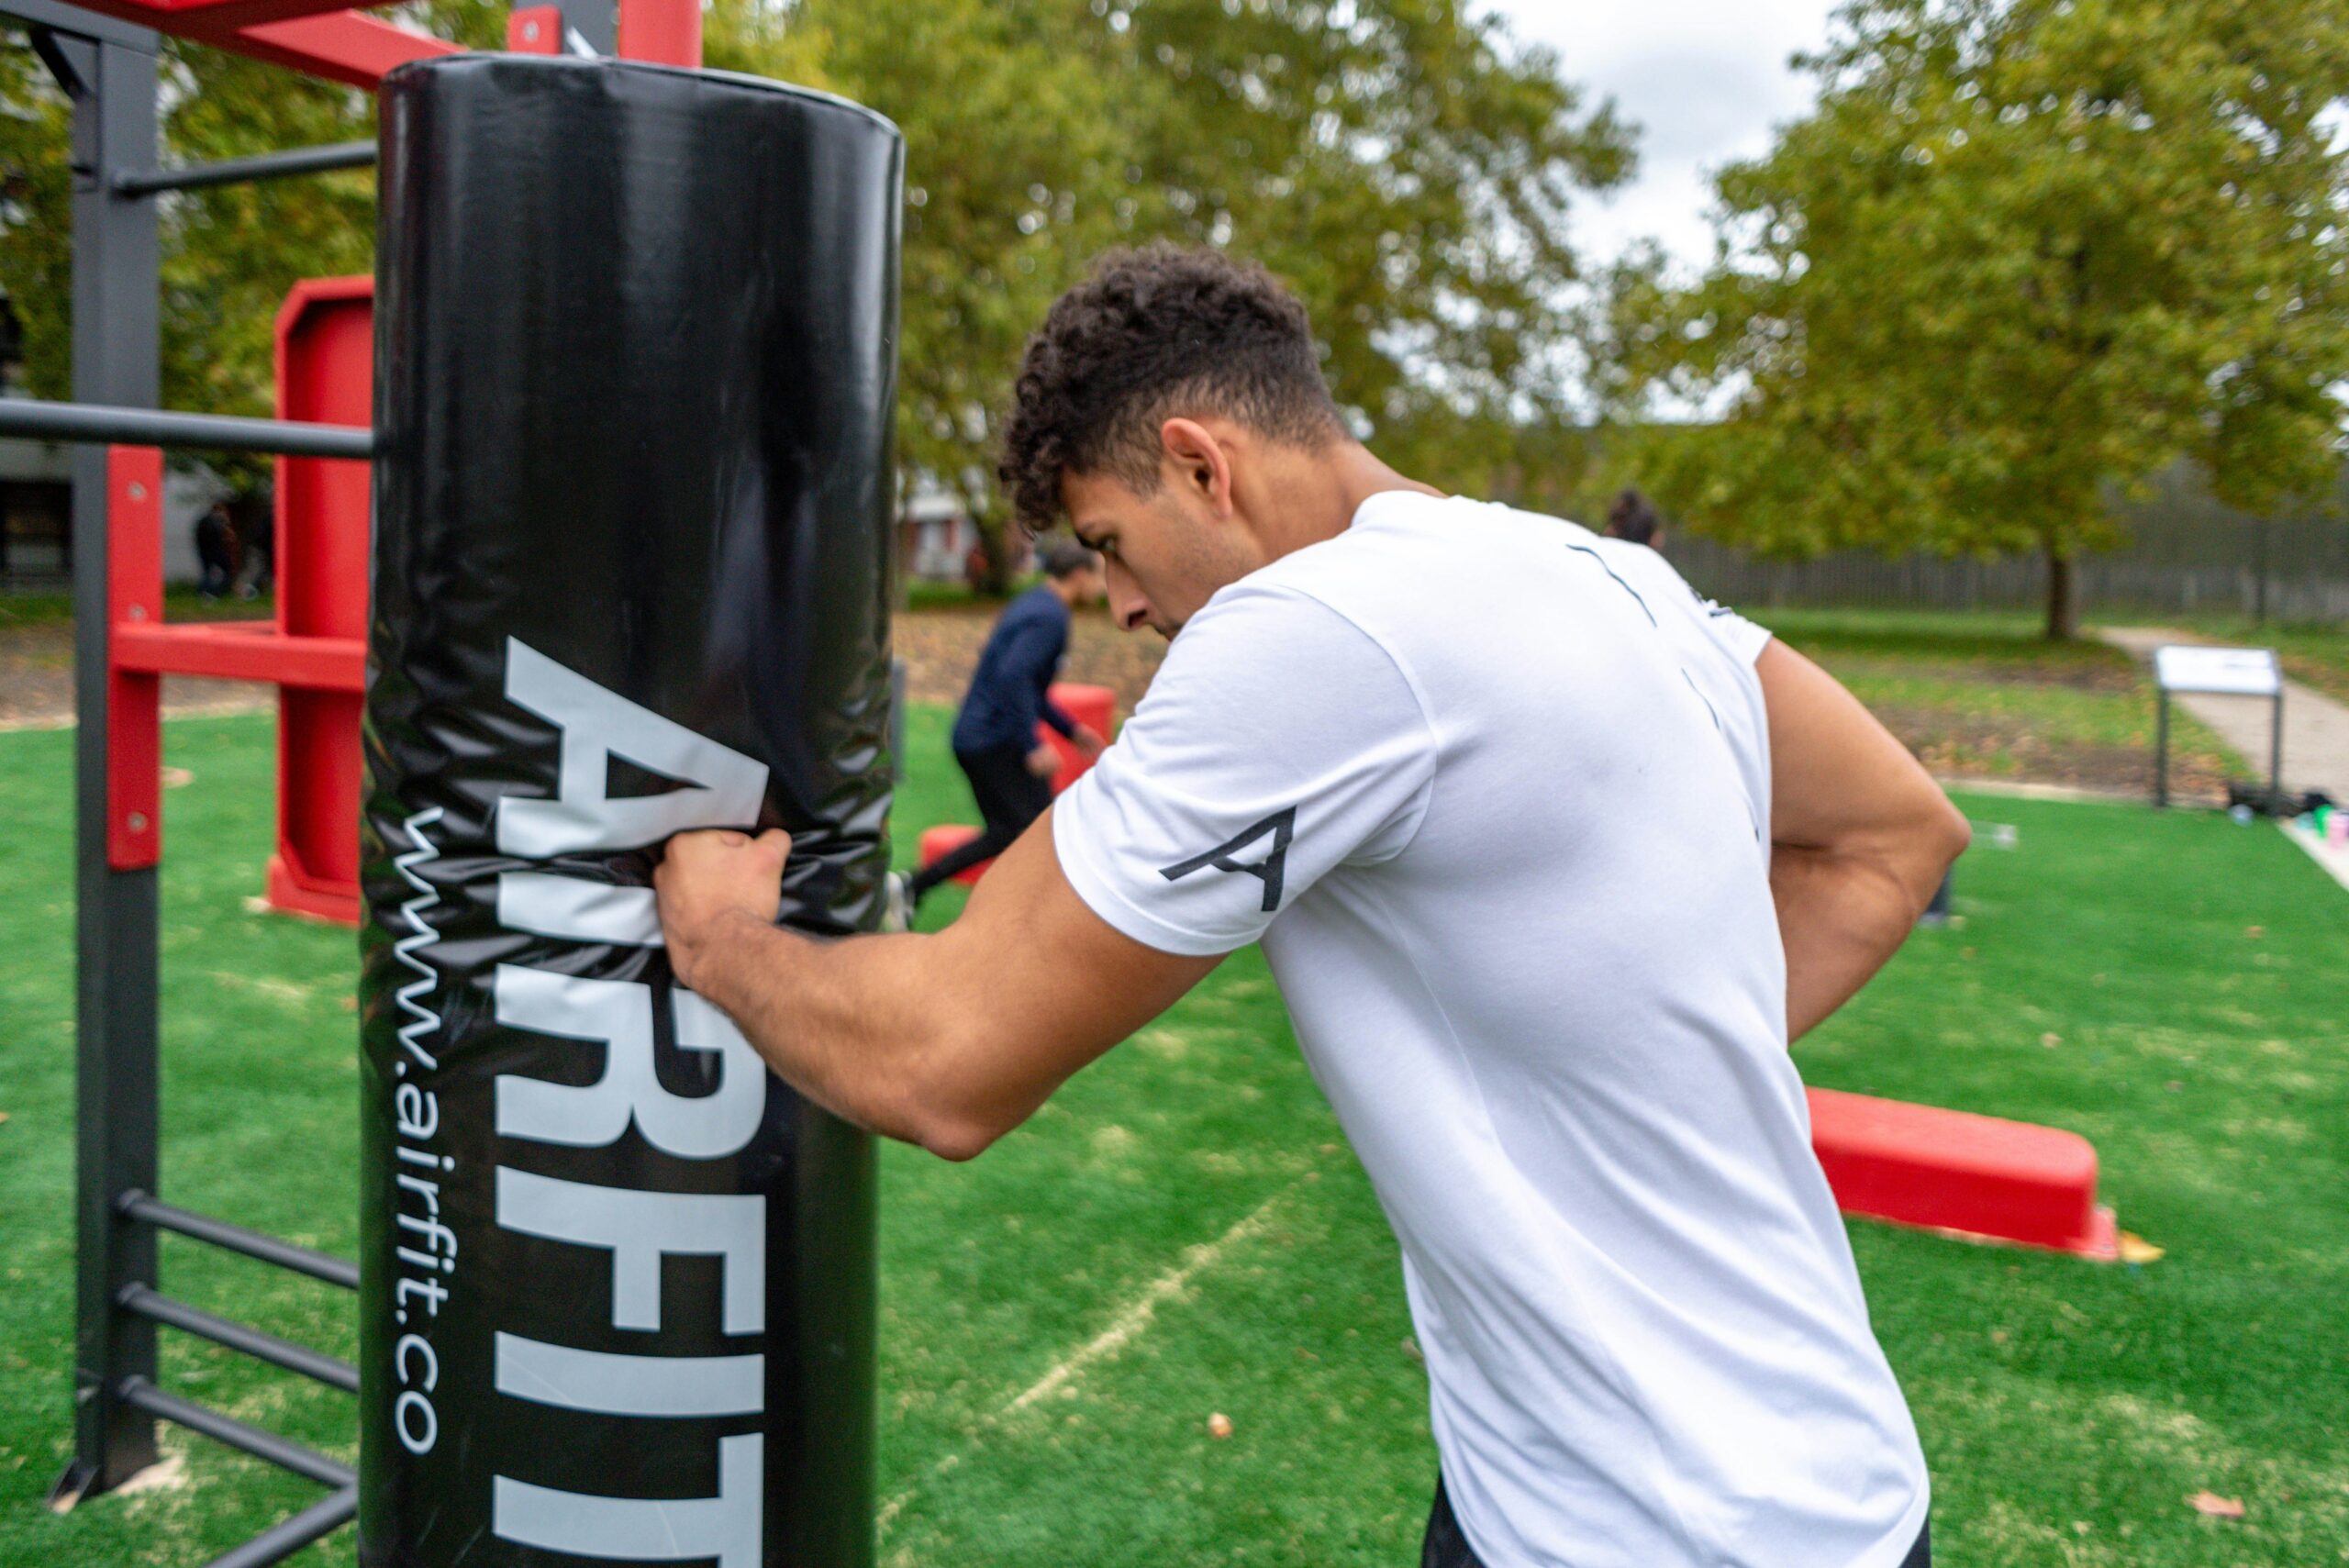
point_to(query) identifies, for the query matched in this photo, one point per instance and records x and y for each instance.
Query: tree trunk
(1002, 544)
(2063, 596)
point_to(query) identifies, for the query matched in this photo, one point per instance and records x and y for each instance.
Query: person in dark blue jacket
(1010, 769)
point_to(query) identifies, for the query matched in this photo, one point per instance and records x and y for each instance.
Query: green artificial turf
(1181, 1232)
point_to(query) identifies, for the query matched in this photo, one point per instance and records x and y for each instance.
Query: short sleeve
(1278, 742)
(1742, 638)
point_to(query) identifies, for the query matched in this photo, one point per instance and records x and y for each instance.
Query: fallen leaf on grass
(2135, 1249)
(2212, 1505)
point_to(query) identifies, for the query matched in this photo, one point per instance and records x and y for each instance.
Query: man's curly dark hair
(1154, 332)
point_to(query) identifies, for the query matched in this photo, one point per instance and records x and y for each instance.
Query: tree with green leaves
(2023, 252)
(1404, 164)
(229, 252)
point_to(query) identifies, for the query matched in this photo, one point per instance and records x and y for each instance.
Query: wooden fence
(2185, 552)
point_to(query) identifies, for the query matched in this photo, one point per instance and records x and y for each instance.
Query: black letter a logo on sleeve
(1280, 824)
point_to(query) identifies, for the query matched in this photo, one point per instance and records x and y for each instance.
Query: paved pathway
(2316, 727)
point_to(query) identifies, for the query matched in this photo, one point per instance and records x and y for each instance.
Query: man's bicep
(1835, 772)
(1051, 984)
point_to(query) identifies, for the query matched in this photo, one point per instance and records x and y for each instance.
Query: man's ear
(1197, 462)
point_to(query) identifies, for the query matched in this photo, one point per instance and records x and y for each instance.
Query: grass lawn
(180, 602)
(1181, 1231)
(1984, 695)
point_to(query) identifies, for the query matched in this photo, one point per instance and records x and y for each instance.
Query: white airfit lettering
(719, 787)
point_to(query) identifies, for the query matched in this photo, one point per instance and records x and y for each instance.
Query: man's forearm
(1841, 917)
(841, 1022)
(949, 1040)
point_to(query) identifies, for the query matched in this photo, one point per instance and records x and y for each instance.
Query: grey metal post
(236, 171)
(2276, 745)
(2161, 742)
(112, 81)
(597, 23)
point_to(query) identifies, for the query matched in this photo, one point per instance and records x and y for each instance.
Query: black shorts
(1445, 1547)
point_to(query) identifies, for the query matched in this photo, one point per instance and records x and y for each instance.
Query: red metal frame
(134, 699)
(315, 37)
(316, 651)
(321, 38)
(342, 46)
(666, 32)
(326, 365)
(534, 29)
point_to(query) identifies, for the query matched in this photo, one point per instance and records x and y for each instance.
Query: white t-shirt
(1494, 793)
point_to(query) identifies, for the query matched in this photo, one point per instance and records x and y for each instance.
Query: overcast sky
(1705, 80)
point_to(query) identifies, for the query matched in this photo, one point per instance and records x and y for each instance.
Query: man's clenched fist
(708, 881)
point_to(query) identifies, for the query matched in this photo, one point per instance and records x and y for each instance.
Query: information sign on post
(2217, 672)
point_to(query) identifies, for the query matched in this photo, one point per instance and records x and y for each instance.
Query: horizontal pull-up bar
(283, 1452)
(262, 166)
(244, 1337)
(279, 1541)
(138, 1206)
(42, 421)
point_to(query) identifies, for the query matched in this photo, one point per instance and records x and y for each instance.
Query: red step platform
(939, 842)
(1973, 1175)
(1096, 708)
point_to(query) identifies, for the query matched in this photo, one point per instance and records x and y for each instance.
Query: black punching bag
(635, 361)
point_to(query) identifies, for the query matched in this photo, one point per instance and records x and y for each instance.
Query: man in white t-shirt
(1550, 859)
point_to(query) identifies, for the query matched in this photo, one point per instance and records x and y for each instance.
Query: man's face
(1164, 554)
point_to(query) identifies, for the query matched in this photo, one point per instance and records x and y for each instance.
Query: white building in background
(935, 533)
(36, 516)
(936, 536)
(36, 498)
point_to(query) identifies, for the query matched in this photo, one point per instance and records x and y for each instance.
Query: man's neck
(1314, 497)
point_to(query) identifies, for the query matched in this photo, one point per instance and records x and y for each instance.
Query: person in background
(1633, 518)
(258, 537)
(1010, 768)
(216, 557)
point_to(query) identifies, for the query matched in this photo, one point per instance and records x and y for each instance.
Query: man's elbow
(956, 1139)
(932, 1112)
(1949, 834)
(942, 1130)
(1940, 835)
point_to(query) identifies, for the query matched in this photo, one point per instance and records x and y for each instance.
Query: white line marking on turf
(1121, 1332)
(2333, 858)
(1137, 1316)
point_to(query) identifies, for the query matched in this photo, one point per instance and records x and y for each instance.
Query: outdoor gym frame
(103, 54)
